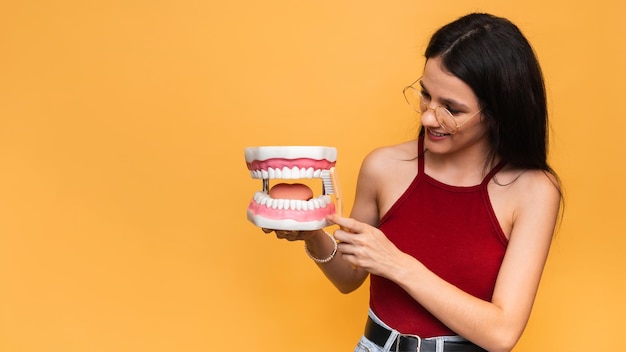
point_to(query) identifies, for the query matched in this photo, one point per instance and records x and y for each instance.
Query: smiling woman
(453, 254)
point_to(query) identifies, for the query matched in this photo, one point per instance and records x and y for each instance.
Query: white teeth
(293, 173)
(286, 173)
(436, 134)
(264, 199)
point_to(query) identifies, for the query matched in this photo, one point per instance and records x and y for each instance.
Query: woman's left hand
(366, 247)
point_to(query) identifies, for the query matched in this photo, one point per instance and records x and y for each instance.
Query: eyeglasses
(419, 103)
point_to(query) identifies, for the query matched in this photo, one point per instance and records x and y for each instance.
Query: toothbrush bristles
(330, 186)
(335, 186)
(327, 183)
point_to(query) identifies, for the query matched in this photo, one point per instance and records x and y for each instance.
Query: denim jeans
(366, 345)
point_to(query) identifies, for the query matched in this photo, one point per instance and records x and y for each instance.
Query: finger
(293, 235)
(345, 248)
(348, 224)
(287, 234)
(350, 258)
(344, 236)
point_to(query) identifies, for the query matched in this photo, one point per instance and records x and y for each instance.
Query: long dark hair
(492, 56)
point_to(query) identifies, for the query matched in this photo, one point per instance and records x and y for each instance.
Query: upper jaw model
(290, 206)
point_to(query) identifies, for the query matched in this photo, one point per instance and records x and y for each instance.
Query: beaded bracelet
(325, 260)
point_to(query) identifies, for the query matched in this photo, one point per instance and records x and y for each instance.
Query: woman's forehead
(438, 81)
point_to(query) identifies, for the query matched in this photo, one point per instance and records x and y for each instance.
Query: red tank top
(454, 232)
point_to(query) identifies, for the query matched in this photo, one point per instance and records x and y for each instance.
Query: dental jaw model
(292, 206)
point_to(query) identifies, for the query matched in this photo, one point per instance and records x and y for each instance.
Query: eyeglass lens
(417, 102)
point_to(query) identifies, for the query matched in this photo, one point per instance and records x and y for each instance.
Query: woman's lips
(436, 135)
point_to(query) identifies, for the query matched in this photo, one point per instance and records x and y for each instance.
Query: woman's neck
(464, 168)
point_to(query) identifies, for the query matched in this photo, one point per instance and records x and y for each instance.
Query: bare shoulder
(386, 172)
(539, 193)
(521, 196)
(533, 185)
(383, 157)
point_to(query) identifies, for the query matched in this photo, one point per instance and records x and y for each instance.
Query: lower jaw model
(290, 206)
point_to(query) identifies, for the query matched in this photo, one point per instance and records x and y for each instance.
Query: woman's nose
(429, 119)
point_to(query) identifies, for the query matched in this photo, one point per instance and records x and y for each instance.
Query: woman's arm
(495, 325)
(344, 275)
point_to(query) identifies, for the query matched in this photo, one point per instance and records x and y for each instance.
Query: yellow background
(123, 186)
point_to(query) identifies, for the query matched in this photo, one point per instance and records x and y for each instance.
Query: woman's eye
(452, 111)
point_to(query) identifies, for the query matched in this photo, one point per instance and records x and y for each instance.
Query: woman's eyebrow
(447, 101)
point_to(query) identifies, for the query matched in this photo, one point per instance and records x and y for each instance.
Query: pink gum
(297, 215)
(279, 163)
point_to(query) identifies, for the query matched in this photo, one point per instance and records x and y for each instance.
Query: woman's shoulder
(525, 196)
(528, 178)
(383, 162)
(391, 153)
(530, 185)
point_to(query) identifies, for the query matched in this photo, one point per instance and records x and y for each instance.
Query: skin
(526, 203)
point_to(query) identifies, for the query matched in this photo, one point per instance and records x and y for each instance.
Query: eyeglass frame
(457, 126)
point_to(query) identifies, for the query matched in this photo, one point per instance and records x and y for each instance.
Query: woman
(454, 228)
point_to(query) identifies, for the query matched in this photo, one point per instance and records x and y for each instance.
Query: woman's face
(440, 89)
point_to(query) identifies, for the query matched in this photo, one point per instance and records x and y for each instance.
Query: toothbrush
(331, 186)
